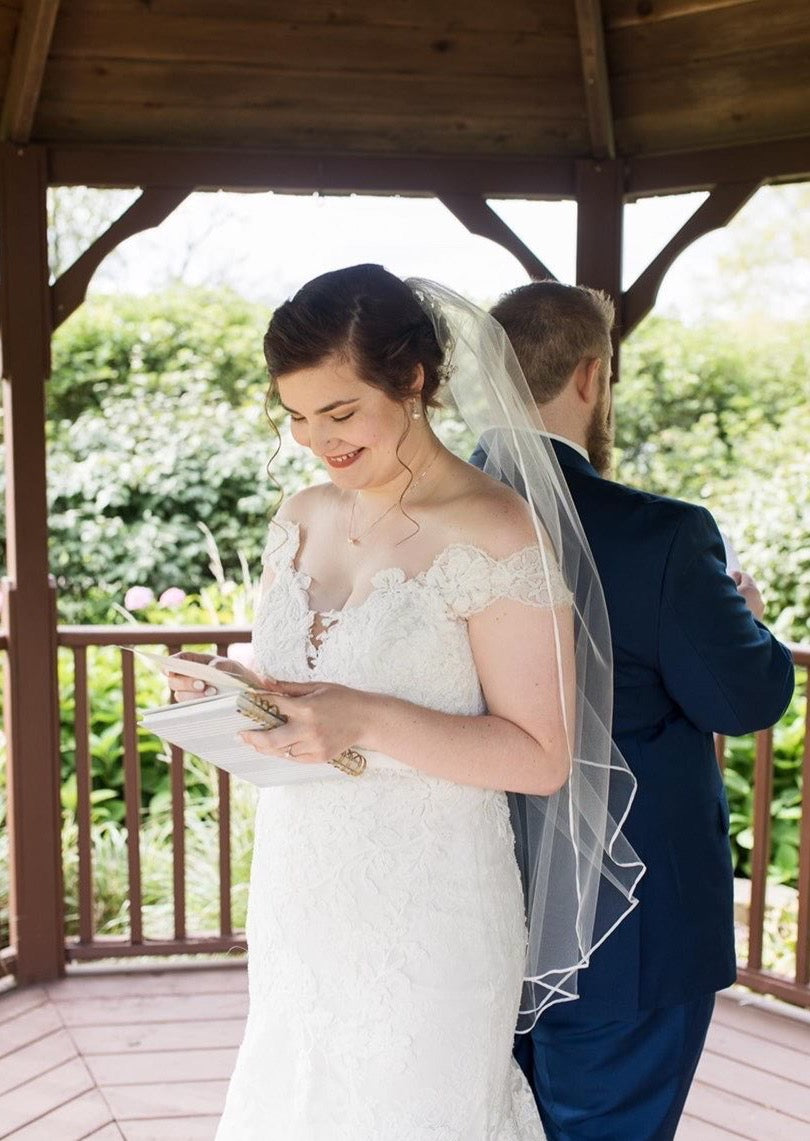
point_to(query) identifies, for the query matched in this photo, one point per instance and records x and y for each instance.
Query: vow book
(207, 726)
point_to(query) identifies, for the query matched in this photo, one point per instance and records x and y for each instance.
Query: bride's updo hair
(367, 316)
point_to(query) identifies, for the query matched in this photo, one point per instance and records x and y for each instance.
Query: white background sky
(266, 245)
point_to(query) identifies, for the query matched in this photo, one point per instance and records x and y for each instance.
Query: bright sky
(266, 245)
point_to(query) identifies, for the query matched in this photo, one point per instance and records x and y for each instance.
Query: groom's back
(689, 659)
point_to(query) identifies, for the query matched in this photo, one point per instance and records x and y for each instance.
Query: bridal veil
(579, 871)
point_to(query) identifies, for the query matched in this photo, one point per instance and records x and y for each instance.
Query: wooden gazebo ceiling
(484, 79)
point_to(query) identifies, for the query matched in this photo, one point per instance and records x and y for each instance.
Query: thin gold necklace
(355, 539)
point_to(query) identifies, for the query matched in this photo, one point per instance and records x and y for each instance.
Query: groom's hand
(748, 588)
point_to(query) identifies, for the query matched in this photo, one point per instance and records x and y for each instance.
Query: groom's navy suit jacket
(689, 660)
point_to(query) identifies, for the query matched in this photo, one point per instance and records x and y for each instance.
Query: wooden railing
(793, 987)
(87, 944)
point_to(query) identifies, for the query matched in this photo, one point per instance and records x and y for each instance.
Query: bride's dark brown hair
(365, 315)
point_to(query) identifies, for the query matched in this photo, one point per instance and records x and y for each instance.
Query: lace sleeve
(470, 579)
(281, 546)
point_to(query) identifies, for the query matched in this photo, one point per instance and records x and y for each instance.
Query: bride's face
(352, 426)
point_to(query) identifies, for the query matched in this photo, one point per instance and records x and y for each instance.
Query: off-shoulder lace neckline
(385, 577)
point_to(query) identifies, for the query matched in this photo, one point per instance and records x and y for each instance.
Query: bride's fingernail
(210, 691)
(199, 685)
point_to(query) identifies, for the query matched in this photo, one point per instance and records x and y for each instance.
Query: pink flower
(138, 597)
(174, 596)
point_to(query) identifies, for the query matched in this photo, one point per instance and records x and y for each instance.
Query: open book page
(170, 663)
(207, 727)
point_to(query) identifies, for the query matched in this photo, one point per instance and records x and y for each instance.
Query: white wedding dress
(385, 928)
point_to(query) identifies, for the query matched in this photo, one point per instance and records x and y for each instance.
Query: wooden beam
(785, 160)
(599, 226)
(590, 25)
(479, 218)
(32, 701)
(154, 205)
(718, 209)
(631, 13)
(27, 69)
(600, 219)
(330, 174)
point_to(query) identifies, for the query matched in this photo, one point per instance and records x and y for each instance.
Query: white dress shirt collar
(562, 440)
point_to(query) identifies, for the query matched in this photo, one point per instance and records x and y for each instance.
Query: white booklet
(207, 726)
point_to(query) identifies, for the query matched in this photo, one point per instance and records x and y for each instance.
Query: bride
(414, 610)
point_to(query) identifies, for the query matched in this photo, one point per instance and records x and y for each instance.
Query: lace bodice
(404, 625)
(386, 931)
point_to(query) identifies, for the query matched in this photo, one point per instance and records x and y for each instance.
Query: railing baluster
(763, 794)
(225, 915)
(225, 869)
(178, 841)
(803, 921)
(84, 784)
(178, 793)
(720, 750)
(132, 797)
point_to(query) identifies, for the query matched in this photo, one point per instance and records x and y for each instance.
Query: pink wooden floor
(146, 1057)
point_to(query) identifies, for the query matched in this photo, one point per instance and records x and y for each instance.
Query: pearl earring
(415, 413)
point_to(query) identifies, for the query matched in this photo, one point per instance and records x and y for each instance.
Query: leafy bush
(157, 424)
(786, 800)
(110, 868)
(705, 414)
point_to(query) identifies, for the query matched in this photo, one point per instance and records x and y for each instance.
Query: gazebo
(599, 101)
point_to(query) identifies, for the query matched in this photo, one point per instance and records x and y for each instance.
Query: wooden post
(600, 215)
(32, 706)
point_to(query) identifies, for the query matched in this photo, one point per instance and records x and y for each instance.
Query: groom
(690, 657)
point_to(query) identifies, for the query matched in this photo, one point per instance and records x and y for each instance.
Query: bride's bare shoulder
(492, 516)
(309, 502)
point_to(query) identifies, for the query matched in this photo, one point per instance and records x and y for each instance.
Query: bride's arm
(522, 744)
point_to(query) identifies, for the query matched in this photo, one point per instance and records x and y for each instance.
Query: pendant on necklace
(353, 542)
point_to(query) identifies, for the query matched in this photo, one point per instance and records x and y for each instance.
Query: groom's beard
(599, 436)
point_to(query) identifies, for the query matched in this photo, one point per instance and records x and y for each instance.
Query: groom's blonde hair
(552, 328)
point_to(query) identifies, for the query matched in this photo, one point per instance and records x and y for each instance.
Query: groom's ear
(587, 380)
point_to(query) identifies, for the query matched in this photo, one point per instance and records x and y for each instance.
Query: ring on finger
(288, 752)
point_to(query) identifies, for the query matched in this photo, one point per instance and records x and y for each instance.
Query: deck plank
(146, 1056)
(163, 1066)
(13, 1002)
(148, 1036)
(745, 1118)
(693, 1129)
(151, 1008)
(167, 1129)
(771, 1058)
(180, 1099)
(195, 981)
(768, 1090)
(30, 1027)
(43, 1094)
(74, 1121)
(36, 1058)
(769, 1025)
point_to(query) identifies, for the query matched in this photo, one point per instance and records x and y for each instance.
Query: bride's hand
(322, 721)
(184, 688)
